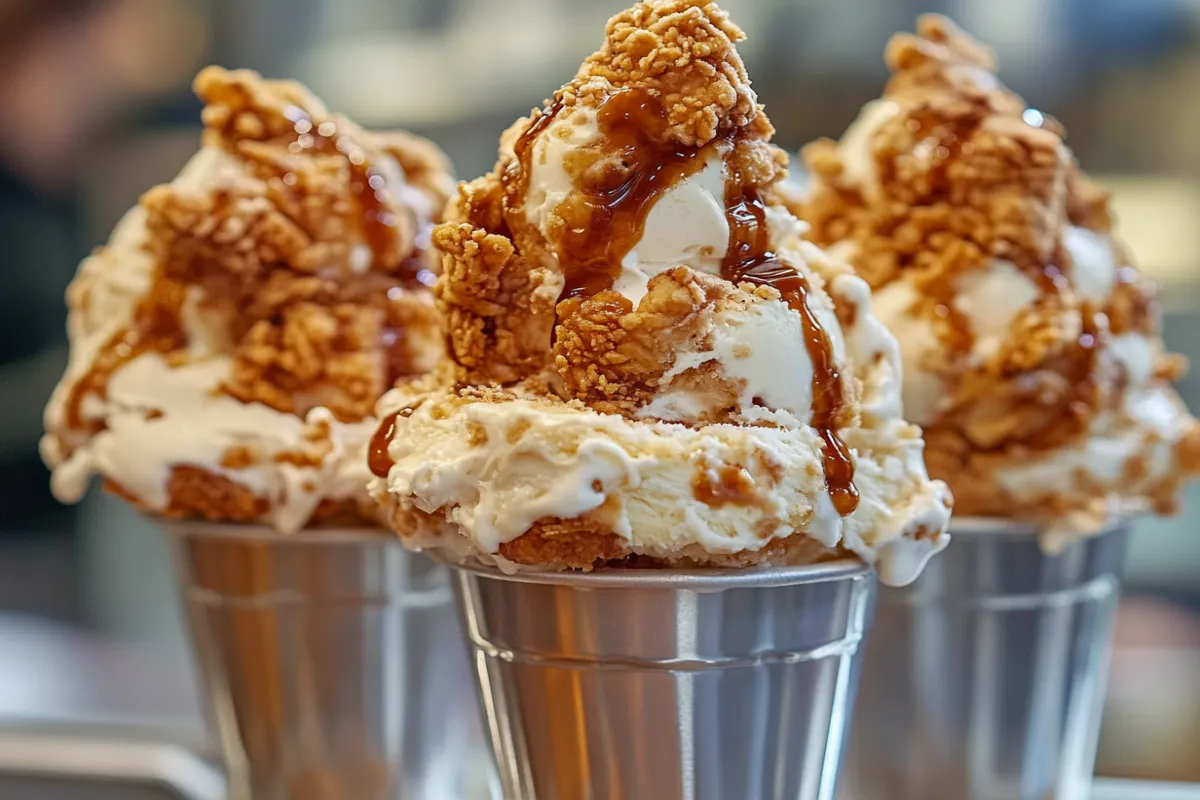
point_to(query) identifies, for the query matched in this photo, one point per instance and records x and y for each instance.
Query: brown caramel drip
(616, 185)
(378, 459)
(1078, 404)
(517, 173)
(367, 183)
(945, 140)
(733, 486)
(749, 259)
(155, 327)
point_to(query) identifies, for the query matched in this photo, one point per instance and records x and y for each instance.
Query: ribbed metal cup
(333, 665)
(984, 680)
(656, 685)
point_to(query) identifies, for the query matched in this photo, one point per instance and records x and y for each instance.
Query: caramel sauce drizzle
(943, 142)
(378, 459)
(749, 259)
(367, 183)
(155, 327)
(378, 224)
(615, 187)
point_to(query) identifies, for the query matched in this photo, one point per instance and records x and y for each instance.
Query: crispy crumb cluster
(957, 175)
(501, 282)
(948, 174)
(320, 287)
(295, 246)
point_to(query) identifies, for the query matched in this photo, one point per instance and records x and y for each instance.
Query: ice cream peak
(230, 341)
(1031, 348)
(627, 284)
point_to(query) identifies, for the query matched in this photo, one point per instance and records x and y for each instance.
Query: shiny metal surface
(656, 685)
(984, 680)
(334, 666)
(65, 767)
(1141, 790)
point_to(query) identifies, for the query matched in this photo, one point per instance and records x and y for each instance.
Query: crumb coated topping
(970, 218)
(666, 85)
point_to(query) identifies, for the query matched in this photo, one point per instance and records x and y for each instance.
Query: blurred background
(95, 108)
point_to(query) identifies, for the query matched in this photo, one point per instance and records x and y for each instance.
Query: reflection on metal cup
(984, 680)
(639, 683)
(333, 665)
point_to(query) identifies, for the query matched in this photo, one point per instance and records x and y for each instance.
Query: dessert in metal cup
(1033, 359)
(230, 341)
(228, 346)
(647, 362)
(1031, 346)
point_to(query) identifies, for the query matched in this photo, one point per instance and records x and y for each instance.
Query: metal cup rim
(980, 527)
(249, 531)
(696, 580)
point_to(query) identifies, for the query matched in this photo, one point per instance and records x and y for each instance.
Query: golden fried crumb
(583, 545)
(498, 308)
(239, 457)
(314, 356)
(282, 252)
(564, 543)
(612, 357)
(684, 50)
(195, 492)
(978, 494)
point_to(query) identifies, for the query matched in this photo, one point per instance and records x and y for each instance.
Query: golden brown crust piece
(580, 544)
(960, 175)
(684, 50)
(498, 308)
(586, 543)
(612, 357)
(1091, 507)
(199, 494)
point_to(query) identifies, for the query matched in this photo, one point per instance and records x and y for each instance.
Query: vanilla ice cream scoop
(228, 344)
(1031, 349)
(646, 358)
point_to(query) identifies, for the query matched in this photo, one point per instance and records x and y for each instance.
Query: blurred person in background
(69, 71)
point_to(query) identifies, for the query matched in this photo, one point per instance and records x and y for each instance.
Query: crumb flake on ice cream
(1031, 347)
(645, 357)
(229, 342)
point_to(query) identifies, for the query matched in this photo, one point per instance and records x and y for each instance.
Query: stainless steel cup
(984, 680)
(655, 685)
(333, 665)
